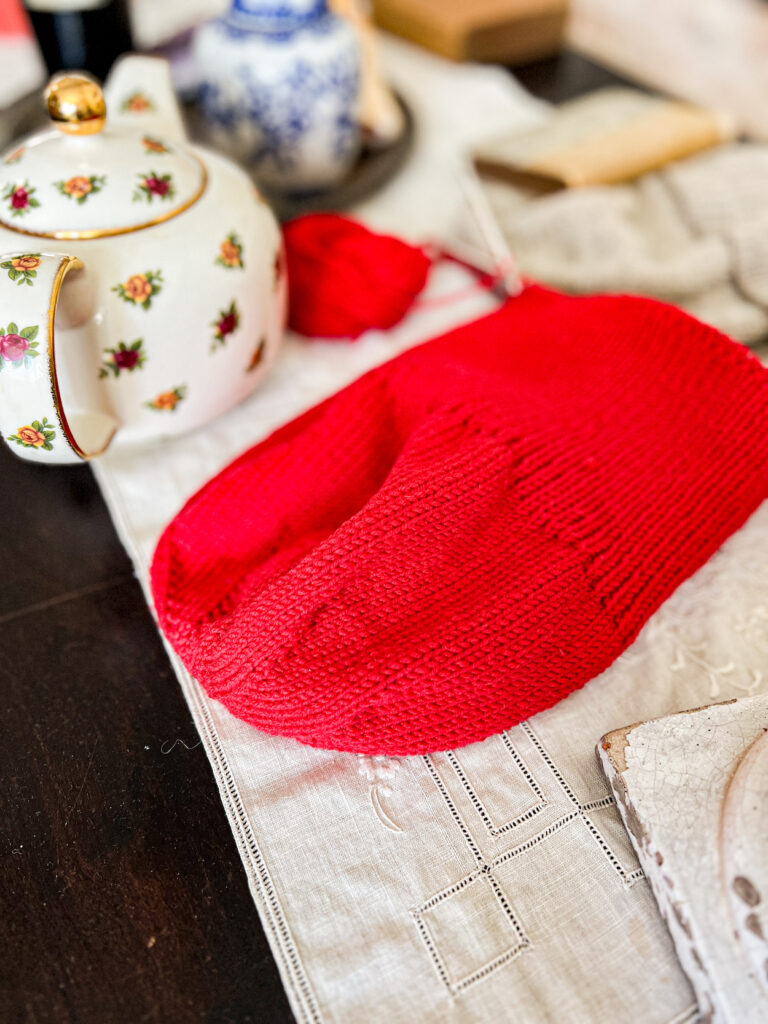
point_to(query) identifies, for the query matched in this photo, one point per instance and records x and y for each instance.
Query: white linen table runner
(488, 884)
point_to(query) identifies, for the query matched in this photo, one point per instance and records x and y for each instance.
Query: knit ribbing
(467, 534)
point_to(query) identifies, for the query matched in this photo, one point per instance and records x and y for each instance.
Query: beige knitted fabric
(694, 234)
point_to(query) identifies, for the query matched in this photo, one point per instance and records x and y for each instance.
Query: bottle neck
(88, 35)
(63, 6)
(275, 16)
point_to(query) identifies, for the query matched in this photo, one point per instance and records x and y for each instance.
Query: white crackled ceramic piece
(280, 83)
(692, 789)
(142, 289)
(744, 851)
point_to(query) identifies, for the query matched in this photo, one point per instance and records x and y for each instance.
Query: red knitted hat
(468, 533)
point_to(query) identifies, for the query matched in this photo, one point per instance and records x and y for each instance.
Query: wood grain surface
(122, 895)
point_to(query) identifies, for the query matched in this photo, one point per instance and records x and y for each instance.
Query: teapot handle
(32, 417)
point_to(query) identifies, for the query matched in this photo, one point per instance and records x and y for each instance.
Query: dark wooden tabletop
(122, 894)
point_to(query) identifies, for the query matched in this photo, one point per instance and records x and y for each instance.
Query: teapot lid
(87, 180)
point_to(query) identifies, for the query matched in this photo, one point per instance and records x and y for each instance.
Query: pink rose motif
(126, 359)
(157, 186)
(227, 324)
(20, 198)
(13, 347)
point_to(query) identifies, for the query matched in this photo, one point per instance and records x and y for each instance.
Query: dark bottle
(87, 35)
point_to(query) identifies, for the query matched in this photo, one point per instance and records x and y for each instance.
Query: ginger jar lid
(83, 179)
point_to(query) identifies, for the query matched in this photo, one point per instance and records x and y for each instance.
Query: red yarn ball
(344, 279)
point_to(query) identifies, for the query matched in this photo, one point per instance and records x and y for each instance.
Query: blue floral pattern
(305, 103)
(281, 19)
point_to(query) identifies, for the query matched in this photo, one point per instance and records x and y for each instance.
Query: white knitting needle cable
(504, 263)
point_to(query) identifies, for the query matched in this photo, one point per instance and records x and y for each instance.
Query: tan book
(611, 135)
(507, 31)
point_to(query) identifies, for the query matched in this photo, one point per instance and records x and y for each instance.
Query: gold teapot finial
(75, 103)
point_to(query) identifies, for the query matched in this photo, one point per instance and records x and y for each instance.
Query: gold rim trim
(84, 236)
(67, 264)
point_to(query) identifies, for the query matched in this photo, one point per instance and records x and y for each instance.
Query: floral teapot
(143, 288)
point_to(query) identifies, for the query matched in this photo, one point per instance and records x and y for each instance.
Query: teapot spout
(139, 92)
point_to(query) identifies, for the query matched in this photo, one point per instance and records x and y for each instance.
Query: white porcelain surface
(163, 329)
(114, 180)
(281, 90)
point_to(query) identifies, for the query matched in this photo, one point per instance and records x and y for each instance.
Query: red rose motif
(157, 186)
(229, 321)
(126, 359)
(20, 198)
(227, 324)
(13, 347)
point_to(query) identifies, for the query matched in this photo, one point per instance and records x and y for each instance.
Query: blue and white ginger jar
(280, 82)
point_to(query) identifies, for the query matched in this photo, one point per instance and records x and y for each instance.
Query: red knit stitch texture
(470, 532)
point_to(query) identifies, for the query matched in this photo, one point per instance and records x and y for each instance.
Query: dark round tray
(373, 169)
